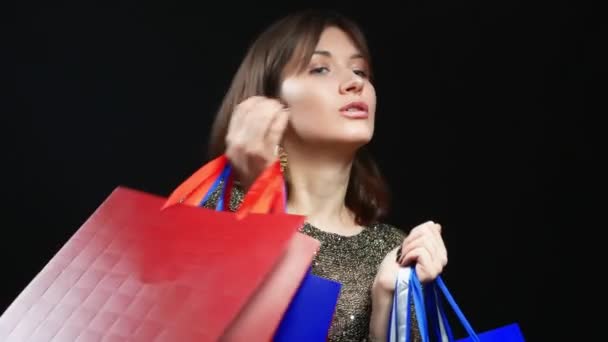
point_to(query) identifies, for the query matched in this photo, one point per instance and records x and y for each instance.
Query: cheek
(292, 92)
(306, 101)
(370, 97)
(298, 94)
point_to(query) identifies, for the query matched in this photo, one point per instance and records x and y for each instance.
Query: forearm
(382, 300)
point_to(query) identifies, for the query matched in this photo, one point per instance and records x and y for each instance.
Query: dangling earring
(282, 154)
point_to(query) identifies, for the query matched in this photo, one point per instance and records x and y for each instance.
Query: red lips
(355, 110)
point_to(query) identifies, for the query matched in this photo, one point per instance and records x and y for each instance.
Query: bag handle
(417, 295)
(463, 320)
(266, 195)
(416, 292)
(433, 305)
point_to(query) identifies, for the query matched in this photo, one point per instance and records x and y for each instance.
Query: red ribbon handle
(192, 190)
(266, 194)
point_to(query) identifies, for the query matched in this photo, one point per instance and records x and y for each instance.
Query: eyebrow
(328, 54)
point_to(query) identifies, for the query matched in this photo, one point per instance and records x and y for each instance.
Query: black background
(483, 125)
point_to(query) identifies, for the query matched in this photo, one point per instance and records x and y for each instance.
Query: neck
(318, 184)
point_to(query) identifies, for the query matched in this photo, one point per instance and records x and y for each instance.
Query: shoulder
(388, 233)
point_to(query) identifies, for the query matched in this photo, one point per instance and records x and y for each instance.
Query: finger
(410, 258)
(272, 132)
(441, 255)
(258, 120)
(254, 126)
(244, 107)
(236, 121)
(426, 241)
(249, 110)
(243, 148)
(419, 255)
(425, 268)
(438, 228)
(442, 250)
(418, 230)
(413, 235)
(250, 103)
(408, 246)
(424, 230)
(277, 128)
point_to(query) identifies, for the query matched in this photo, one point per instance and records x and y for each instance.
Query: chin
(351, 137)
(361, 135)
(354, 140)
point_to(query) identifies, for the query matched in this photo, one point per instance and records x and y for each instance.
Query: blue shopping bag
(310, 313)
(431, 316)
(509, 332)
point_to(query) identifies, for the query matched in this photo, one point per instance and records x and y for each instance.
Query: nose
(352, 84)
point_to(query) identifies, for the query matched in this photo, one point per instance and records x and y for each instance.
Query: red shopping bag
(290, 315)
(135, 272)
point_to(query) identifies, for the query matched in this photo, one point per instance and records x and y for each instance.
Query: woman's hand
(424, 246)
(254, 131)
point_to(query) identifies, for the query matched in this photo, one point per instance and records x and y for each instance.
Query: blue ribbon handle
(433, 305)
(223, 178)
(442, 316)
(465, 323)
(431, 308)
(415, 289)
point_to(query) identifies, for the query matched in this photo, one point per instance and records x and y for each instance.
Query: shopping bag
(431, 316)
(510, 332)
(141, 270)
(308, 314)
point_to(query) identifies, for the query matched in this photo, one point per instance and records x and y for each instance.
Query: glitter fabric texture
(351, 260)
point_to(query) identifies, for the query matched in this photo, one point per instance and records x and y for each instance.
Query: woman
(304, 89)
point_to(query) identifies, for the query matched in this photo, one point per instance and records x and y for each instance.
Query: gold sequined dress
(351, 260)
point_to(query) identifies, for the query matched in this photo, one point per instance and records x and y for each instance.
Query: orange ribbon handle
(192, 190)
(266, 194)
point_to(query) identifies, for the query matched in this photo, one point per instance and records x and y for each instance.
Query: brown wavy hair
(261, 73)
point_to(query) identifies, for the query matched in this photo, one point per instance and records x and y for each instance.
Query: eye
(361, 73)
(319, 70)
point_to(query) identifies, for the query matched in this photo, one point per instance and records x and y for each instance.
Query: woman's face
(332, 101)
